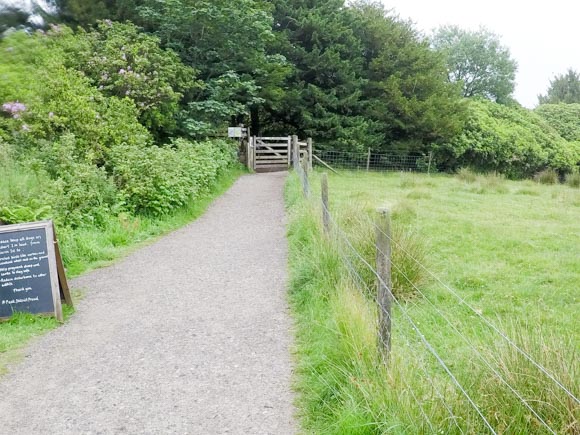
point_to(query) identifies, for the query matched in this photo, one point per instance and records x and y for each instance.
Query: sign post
(32, 277)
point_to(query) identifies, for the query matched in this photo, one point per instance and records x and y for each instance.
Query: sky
(542, 36)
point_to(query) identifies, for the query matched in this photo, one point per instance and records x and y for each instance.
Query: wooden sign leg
(63, 283)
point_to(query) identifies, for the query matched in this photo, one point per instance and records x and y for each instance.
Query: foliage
(564, 88)
(59, 100)
(361, 78)
(85, 13)
(156, 180)
(123, 62)
(478, 61)
(223, 40)
(510, 140)
(564, 118)
(406, 91)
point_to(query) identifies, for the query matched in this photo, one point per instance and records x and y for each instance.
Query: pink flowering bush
(120, 61)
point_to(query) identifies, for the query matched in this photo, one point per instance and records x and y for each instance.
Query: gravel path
(190, 335)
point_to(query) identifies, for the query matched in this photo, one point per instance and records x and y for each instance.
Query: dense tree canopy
(479, 61)
(352, 75)
(564, 88)
(361, 78)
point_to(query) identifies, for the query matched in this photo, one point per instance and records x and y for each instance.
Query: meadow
(507, 249)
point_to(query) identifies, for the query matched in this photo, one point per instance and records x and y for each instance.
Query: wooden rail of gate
(268, 154)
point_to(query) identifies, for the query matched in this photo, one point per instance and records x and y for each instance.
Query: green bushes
(156, 180)
(564, 118)
(121, 61)
(75, 148)
(509, 140)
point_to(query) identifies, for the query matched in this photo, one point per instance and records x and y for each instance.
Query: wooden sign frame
(58, 281)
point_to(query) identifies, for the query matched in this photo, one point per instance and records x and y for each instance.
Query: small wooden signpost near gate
(32, 276)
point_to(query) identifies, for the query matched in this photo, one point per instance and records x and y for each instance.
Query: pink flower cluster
(14, 108)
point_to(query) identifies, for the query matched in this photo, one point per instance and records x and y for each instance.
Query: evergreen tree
(565, 88)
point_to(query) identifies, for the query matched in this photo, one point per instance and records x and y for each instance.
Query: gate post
(249, 152)
(309, 142)
(295, 152)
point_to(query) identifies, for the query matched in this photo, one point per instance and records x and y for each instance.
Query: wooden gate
(272, 153)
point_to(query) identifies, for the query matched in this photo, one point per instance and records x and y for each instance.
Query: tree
(479, 61)
(565, 88)
(405, 89)
(85, 13)
(226, 41)
(361, 78)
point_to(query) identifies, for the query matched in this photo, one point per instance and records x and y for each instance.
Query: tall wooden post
(309, 142)
(325, 209)
(249, 153)
(290, 151)
(430, 161)
(368, 160)
(295, 152)
(385, 287)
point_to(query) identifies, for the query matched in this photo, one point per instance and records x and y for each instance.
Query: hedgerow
(510, 140)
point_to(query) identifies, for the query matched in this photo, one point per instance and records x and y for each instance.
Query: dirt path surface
(190, 335)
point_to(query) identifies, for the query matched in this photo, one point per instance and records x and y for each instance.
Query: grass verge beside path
(84, 249)
(509, 248)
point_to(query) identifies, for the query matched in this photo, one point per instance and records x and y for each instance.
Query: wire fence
(439, 370)
(370, 161)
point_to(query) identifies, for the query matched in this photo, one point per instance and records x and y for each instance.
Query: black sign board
(31, 272)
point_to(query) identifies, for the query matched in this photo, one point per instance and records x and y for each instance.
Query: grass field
(84, 249)
(510, 249)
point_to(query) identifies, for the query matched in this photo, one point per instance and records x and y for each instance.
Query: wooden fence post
(430, 161)
(295, 152)
(384, 293)
(369, 160)
(309, 142)
(325, 209)
(290, 151)
(249, 152)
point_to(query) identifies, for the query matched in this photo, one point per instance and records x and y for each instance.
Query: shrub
(155, 180)
(511, 140)
(564, 118)
(57, 100)
(548, 176)
(123, 62)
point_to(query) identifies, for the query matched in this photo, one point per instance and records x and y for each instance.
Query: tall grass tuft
(541, 393)
(573, 179)
(547, 176)
(467, 175)
(408, 248)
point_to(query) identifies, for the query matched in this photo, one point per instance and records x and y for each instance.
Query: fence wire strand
(482, 318)
(360, 283)
(370, 161)
(413, 325)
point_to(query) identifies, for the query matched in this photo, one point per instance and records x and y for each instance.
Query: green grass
(509, 248)
(84, 249)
